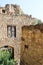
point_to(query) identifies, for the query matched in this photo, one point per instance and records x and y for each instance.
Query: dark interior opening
(13, 53)
(3, 11)
(26, 46)
(6, 46)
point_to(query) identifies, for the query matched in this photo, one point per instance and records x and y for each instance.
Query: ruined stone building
(21, 32)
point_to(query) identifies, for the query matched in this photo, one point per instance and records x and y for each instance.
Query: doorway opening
(8, 49)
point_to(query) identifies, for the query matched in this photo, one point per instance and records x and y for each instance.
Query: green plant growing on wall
(39, 21)
(5, 58)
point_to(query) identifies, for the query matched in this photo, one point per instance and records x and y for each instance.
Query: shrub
(5, 58)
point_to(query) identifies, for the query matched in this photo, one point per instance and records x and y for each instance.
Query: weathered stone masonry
(32, 45)
(6, 20)
(14, 17)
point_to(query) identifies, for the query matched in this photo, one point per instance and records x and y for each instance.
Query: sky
(30, 7)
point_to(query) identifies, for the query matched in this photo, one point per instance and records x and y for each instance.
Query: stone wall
(32, 45)
(11, 9)
(19, 21)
